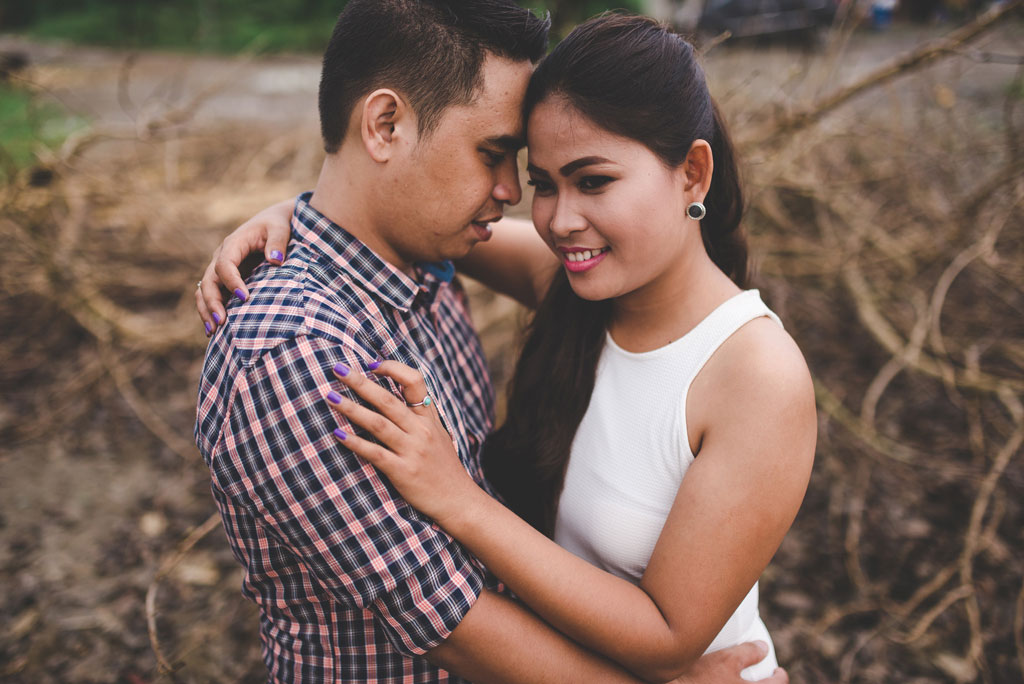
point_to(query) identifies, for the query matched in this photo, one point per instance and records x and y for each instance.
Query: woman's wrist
(467, 506)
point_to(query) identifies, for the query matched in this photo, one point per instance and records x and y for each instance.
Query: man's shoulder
(298, 306)
(302, 298)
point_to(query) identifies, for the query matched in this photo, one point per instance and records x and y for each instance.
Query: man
(420, 115)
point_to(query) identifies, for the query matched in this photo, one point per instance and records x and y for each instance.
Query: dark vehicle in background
(743, 18)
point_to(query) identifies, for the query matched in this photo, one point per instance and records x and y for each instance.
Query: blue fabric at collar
(442, 270)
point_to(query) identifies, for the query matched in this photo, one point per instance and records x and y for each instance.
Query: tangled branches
(893, 242)
(100, 364)
(890, 242)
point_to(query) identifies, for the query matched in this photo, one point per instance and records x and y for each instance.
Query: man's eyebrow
(573, 166)
(509, 143)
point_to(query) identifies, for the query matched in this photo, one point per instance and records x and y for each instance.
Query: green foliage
(223, 25)
(203, 25)
(1015, 88)
(25, 125)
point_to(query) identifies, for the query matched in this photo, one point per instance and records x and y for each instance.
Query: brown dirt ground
(888, 237)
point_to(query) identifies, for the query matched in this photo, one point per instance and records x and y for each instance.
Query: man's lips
(483, 228)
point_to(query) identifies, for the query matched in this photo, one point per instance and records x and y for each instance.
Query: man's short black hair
(431, 51)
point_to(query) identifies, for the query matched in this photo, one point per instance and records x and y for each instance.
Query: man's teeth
(584, 255)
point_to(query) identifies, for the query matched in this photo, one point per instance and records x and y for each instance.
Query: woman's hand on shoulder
(415, 451)
(267, 231)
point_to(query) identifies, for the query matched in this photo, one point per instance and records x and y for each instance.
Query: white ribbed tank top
(632, 451)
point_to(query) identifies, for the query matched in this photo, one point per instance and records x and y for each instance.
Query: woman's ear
(386, 121)
(698, 166)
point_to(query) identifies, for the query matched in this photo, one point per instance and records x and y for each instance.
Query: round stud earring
(696, 211)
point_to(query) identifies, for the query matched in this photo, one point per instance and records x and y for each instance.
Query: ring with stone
(426, 402)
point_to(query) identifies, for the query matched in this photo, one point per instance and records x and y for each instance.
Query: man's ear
(698, 167)
(386, 122)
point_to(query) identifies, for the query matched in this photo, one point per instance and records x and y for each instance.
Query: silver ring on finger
(427, 401)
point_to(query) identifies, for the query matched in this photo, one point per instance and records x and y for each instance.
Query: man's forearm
(501, 642)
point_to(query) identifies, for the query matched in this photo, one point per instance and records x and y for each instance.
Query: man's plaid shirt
(352, 583)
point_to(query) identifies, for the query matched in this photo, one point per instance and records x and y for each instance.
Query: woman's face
(606, 205)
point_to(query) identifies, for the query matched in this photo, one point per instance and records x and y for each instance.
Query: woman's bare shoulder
(758, 376)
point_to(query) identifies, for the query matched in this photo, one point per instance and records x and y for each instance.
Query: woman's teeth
(584, 255)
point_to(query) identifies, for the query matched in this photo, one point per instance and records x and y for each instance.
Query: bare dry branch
(926, 620)
(166, 566)
(777, 131)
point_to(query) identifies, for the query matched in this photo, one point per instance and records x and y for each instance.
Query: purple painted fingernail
(208, 328)
(216, 318)
(340, 434)
(334, 398)
(276, 254)
(239, 293)
(341, 369)
(375, 365)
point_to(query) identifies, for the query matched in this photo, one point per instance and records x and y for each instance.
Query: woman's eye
(594, 182)
(540, 187)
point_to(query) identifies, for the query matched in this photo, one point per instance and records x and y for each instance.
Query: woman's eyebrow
(537, 171)
(573, 166)
(569, 168)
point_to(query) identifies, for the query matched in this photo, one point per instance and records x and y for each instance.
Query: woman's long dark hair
(637, 79)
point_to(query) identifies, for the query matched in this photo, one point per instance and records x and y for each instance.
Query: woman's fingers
(373, 422)
(390, 406)
(231, 255)
(267, 231)
(204, 313)
(209, 301)
(276, 248)
(414, 388)
(373, 453)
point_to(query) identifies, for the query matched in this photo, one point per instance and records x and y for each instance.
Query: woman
(661, 423)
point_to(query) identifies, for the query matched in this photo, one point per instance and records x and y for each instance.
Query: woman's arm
(733, 508)
(514, 262)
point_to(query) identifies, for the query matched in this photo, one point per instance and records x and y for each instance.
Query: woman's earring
(696, 211)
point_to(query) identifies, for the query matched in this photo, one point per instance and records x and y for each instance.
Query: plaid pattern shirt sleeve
(335, 512)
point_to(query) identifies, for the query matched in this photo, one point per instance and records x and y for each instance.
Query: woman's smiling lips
(579, 259)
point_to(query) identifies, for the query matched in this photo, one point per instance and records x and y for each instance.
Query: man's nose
(507, 188)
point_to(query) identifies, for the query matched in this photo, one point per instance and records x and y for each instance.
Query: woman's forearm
(606, 613)
(656, 630)
(514, 262)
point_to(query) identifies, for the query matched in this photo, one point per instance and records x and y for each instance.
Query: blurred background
(882, 148)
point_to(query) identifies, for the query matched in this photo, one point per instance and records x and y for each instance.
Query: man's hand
(267, 231)
(724, 667)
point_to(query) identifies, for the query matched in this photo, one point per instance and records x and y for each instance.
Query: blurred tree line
(220, 25)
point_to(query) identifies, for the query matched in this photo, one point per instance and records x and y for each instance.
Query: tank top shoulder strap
(704, 340)
(719, 326)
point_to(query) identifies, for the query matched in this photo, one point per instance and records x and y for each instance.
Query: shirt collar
(348, 254)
